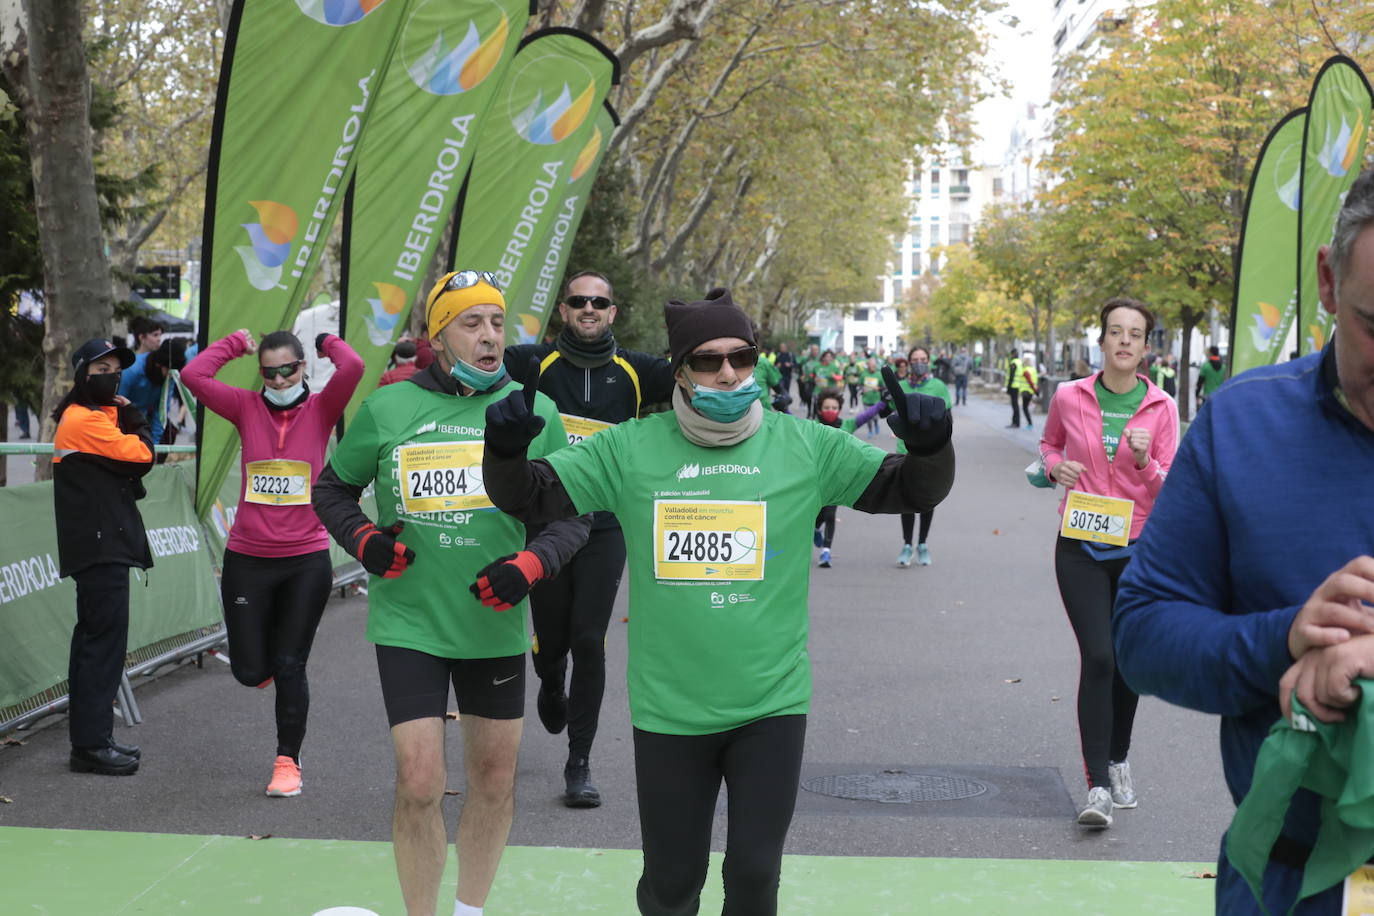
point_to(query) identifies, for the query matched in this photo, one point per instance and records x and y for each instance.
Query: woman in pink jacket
(1109, 440)
(277, 575)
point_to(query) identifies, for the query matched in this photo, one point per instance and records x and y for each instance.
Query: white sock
(462, 909)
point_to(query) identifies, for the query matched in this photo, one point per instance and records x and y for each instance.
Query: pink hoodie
(299, 434)
(1073, 431)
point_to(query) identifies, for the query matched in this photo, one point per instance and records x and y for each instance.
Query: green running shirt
(709, 654)
(439, 437)
(1117, 410)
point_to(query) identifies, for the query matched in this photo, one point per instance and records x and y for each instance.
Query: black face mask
(102, 388)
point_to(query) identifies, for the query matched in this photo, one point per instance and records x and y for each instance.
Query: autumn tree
(968, 303)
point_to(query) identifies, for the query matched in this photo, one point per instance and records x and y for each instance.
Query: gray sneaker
(1098, 811)
(1123, 790)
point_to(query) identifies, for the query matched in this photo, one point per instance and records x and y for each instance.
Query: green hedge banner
(1332, 155)
(543, 117)
(540, 288)
(38, 610)
(295, 94)
(1266, 297)
(411, 163)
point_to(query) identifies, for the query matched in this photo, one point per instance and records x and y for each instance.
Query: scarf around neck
(703, 431)
(586, 354)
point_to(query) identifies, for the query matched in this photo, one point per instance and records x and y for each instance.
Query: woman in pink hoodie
(277, 574)
(1109, 440)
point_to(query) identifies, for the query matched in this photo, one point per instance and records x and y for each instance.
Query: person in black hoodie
(102, 449)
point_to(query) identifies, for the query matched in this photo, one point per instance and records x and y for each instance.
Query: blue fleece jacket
(1269, 494)
(143, 392)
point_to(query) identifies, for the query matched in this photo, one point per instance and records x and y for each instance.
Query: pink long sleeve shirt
(300, 434)
(1073, 431)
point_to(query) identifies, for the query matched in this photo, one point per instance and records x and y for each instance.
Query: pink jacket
(1073, 431)
(299, 434)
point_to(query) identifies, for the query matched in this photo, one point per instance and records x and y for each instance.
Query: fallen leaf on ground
(453, 791)
(13, 742)
(259, 836)
(624, 620)
(1013, 680)
(1054, 699)
(6, 800)
(1202, 874)
(997, 531)
(451, 715)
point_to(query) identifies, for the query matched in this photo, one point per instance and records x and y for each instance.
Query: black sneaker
(103, 760)
(128, 750)
(580, 791)
(553, 709)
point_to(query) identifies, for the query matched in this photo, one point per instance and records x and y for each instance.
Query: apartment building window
(935, 182)
(960, 231)
(997, 187)
(916, 236)
(861, 314)
(934, 231)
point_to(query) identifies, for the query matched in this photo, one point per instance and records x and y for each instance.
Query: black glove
(781, 400)
(132, 420)
(319, 342)
(919, 420)
(379, 551)
(504, 583)
(512, 423)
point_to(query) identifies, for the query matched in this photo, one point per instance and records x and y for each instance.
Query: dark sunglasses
(466, 278)
(285, 370)
(600, 303)
(742, 358)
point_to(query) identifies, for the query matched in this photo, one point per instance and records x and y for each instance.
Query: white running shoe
(1098, 811)
(1123, 789)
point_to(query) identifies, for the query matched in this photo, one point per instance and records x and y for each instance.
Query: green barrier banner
(412, 162)
(544, 114)
(1332, 155)
(1266, 294)
(541, 286)
(38, 610)
(295, 95)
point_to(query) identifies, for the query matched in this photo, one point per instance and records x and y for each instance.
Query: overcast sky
(1021, 55)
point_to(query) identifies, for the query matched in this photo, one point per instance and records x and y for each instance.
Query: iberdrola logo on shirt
(688, 471)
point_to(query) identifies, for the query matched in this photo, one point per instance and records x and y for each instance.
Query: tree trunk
(1185, 366)
(76, 282)
(5, 437)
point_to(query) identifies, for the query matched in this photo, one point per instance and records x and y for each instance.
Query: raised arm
(348, 371)
(199, 375)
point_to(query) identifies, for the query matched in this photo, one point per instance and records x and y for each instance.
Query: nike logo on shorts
(497, 682)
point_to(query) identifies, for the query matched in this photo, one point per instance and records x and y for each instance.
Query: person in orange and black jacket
(102, 449)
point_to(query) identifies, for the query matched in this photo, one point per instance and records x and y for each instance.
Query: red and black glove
(379, 551)
(504, 583)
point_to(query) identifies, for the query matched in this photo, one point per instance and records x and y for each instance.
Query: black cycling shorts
(415, 685)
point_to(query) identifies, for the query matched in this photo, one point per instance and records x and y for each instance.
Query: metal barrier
(45, 448)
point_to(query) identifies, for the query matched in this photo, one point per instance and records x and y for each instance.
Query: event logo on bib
(546, 108)
(385, 313)
(271, 239)
(338, 12)
(454, 60)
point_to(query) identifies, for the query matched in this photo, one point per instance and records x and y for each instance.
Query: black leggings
(1106, 706)
(272, 607)
(909, 523)
(570, 614)
(827, 520)
(679, 779)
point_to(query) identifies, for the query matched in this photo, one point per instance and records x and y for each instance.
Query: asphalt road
(965, 669)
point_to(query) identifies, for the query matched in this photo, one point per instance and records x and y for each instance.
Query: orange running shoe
(286, 778)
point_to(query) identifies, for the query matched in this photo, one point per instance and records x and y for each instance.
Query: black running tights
(826, 521)
(909, 525)
(272, 607)
(679, 779)
(1106, 706)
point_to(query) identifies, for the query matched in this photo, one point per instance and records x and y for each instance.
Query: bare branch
(705, 197)
(682, 20)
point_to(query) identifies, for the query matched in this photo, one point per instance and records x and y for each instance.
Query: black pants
(100, 640)
(1015, 406)
(272, 607)
(909, 524)
(1106, 706)
(679, 779)
(853, 394)
(1025, 405)
(826, 520)
(570, 614)
(806, 390)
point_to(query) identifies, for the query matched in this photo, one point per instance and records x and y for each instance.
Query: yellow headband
(443, 306)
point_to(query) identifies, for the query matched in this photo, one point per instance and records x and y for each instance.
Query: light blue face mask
(724, 406)
(284, 397)
(474, 378)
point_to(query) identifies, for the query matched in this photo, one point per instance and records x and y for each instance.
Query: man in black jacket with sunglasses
(596, 385)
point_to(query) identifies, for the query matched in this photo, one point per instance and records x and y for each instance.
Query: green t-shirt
(933, 387)
(1117, 410)
(873, 388)
(449, 523)
(712, 645)
(1212, 376)
(767, 375)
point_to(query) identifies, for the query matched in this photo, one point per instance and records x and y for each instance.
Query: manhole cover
(895, 787)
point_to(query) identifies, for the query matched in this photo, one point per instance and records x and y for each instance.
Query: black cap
(691, 324)
(93, 349)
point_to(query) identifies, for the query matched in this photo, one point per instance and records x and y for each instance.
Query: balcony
(959, 190)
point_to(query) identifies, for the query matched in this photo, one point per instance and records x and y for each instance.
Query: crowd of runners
(532, 475)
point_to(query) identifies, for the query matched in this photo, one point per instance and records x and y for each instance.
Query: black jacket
(97, 477)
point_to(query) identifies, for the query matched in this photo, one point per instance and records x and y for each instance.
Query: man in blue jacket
(1254, 577)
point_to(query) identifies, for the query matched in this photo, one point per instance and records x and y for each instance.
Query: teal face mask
(475, 378)
(724, 406)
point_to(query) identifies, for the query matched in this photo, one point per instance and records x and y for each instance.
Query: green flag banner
(1266, 292)
(294, 98)
(412, 162)
(540, 287)
(1332, 154)
(544, 115)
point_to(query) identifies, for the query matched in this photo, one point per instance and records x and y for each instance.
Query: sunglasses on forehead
(600, 303)
(742, 358)
(285, 370)
(466, 278)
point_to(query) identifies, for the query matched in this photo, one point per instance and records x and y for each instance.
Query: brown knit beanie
(691, 324)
